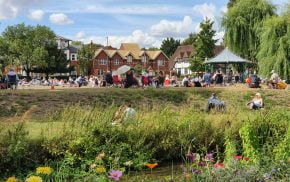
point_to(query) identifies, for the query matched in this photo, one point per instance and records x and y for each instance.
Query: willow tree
(275, 46)
(242, 24)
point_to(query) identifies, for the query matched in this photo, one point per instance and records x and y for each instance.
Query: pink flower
(115, 175)
(208, 157)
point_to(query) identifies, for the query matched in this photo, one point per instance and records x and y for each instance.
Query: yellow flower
(44, 170)
(11, 179)
(100, 170)
(33, 179)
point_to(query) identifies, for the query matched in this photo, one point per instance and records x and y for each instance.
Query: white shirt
(129, 113)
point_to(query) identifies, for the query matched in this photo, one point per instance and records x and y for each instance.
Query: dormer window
(117, 62)
(144, 59)
(129, 59)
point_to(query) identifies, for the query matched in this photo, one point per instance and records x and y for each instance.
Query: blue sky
(145, 22)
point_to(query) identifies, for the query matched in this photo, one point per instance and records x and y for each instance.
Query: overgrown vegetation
(71, 140)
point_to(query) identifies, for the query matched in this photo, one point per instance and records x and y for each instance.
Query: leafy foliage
(242, 24)
(204, 46)
(274, 51)
(34, 48)
(86, 55)
(190, 40)
(169, 46)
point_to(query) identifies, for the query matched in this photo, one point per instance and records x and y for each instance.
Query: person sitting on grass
(129, 113)
(256, 103)
(124, 114)
(215, 103)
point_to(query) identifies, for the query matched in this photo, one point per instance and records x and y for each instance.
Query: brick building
(129, 54)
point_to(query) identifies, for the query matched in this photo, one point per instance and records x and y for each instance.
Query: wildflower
(44, 170)
(93, 166)
(218, 165)
(238, 157)
(11, 179)
(208, 157)
(201, 163)
(115, 175)
(100, 156)
(196, 171)
(128, 163)
(33, 179)
(100, 170)
(191, 156)
(151, 166)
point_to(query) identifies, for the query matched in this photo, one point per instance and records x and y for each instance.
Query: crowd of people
(131, 79)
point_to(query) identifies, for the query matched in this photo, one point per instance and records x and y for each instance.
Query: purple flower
(196, 171)
(208, 157)
(201, 163)
(191, 157)
(115, 175)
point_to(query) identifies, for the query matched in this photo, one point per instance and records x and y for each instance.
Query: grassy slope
(33, 105)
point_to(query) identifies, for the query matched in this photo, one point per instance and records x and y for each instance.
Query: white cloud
(11, 8)
(206, 10)
(167, 28)
(80, 35)
(36, 15)
(132, 9)
(219, 36)
(60, 19)
(137, 36)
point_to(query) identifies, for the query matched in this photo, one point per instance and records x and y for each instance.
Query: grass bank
(169, 124)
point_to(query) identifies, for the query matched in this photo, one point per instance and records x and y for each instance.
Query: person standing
(11, 79)
(207, 79)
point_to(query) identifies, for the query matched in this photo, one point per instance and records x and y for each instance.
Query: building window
(144, 59)
(102, 62)
(161, 63)
(100, 72)
(129, 59)
(73, 57)
(117, 62)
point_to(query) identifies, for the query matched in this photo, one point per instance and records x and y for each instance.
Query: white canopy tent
(227, 57)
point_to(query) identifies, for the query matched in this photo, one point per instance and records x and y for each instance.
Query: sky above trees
(145, 22)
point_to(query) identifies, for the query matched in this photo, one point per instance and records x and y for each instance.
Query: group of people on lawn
(126, 113)
(131, 79)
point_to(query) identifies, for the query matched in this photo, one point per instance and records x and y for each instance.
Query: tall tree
(190, 40)
(169, 46)
(86, 55)
(242, 24)
(231, 3)
(34, 48)
(204, 46)
(275, 46)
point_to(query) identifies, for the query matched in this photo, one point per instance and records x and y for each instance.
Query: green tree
(169, 46)
(86, 55)
(231, 3)
(242, 24)
(274, 50)
(204, 46)
(190, 40)
(33, 48)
